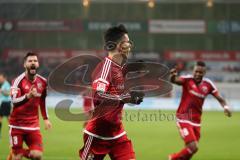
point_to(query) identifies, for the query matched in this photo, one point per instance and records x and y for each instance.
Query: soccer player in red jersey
(195, 89)
(104, 132)
(28, 92)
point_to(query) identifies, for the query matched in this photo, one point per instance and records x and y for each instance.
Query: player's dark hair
(113, 35)
(201, 63)
(28, 55)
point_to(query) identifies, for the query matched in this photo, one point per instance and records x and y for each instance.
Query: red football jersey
(25, 111)
(193, 96)
(108, 87)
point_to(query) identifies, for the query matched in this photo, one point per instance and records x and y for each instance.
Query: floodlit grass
(154, 137)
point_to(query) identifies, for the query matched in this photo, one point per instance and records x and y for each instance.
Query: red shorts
(96, 149)
(33, 140)
(188, 132)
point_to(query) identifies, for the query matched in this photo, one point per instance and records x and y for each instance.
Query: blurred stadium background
(172, 32)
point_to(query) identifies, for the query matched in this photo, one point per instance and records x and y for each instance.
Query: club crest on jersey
(101, 87)
(204, 89)
(39, 85)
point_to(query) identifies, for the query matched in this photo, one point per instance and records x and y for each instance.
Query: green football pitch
(153, 136)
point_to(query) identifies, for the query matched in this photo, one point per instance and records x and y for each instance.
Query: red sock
(184, 154)
(26, 153)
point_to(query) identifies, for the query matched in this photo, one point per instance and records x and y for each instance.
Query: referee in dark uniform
(5, 100)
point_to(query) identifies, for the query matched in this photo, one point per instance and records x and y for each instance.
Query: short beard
(29, 72)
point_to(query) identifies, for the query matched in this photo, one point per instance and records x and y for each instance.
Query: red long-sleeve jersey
(106, 122)
(25, 111)
(193, 96)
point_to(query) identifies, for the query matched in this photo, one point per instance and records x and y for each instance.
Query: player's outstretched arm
(223, 103)
(174, 78)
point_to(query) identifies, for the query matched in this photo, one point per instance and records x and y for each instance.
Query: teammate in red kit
(195, 89)
(104, 132)
(28, 92)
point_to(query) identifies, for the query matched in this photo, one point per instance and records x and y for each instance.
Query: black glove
(133, 97)
(136, 97)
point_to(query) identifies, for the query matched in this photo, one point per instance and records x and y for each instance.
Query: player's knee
(193, 147)
(36, 155)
